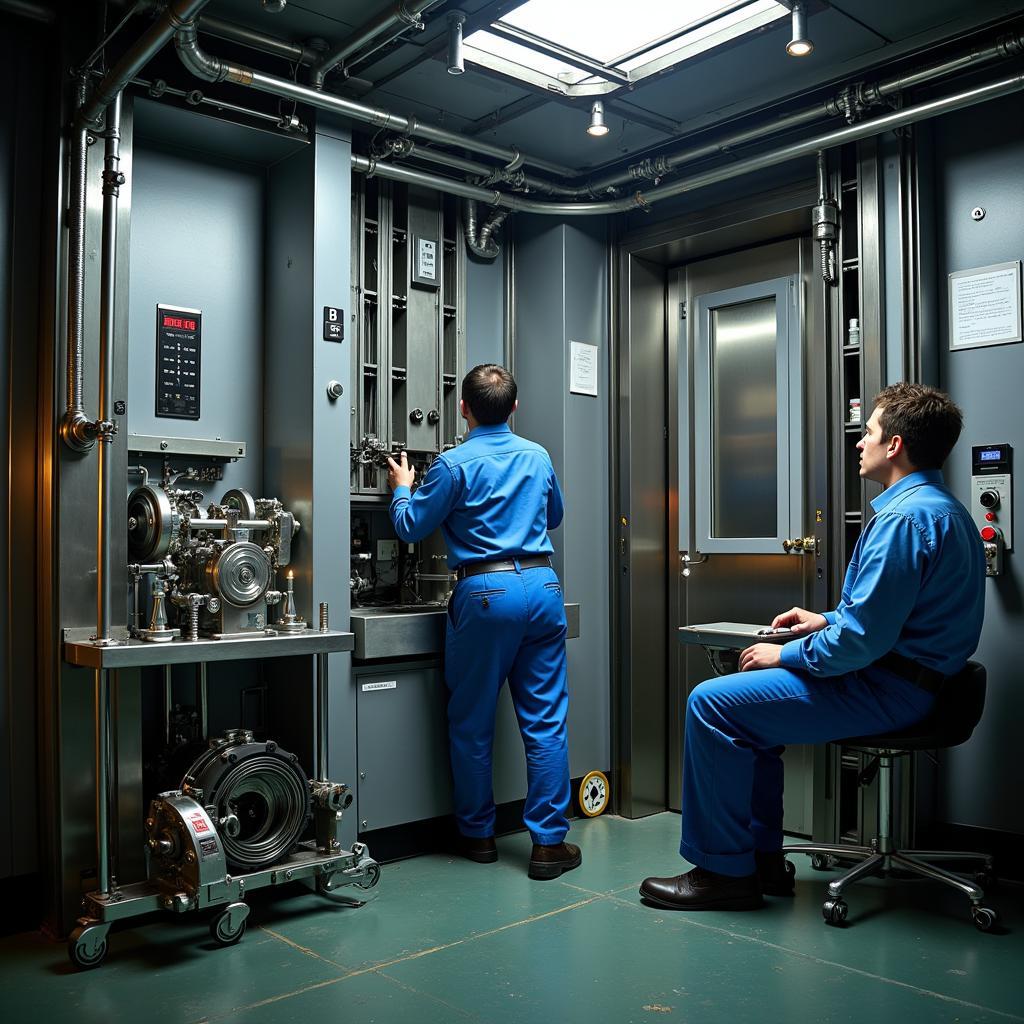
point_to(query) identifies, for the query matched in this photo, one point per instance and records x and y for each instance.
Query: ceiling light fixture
(800, 45)
(597, 127)
(456, 65)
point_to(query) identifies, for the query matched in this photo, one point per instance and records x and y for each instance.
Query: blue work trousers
(509, 625)
(736, 728)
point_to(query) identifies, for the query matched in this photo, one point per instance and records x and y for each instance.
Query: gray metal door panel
(408, 780)
(739, 587)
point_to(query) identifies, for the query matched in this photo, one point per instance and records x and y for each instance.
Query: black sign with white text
(334, 324)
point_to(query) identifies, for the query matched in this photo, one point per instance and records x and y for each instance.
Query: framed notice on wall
(985, 306)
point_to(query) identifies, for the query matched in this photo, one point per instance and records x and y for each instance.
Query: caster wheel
(790, 869)
(834, 911)
(821, 861)
(984, 918)
(87, 946)
(228, 927)
(372, 877)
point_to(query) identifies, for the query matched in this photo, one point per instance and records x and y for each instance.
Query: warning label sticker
(198, 823)
(208, 847)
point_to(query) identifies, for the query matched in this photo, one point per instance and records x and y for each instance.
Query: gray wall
(979, 161)
(485, 308)
(561, 295)
(197, 241)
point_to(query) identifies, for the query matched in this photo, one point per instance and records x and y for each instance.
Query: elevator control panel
(178, 343)
(992, 501)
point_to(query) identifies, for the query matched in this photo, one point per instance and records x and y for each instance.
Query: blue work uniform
(495, 497)
(915, 586)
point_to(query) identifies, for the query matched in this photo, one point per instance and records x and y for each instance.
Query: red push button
(988, 533)
(990, 516)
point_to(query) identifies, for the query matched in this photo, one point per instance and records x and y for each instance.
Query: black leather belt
(906, 668)
(502, 565)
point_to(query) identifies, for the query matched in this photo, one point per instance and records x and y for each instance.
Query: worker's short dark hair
(490, 392)
(927, 419)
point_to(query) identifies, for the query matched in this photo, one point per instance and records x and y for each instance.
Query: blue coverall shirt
(494, 496)
(915, 585)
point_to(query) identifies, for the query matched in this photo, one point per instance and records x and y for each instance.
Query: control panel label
(334, 323)
(389, 684)
(178, 352)
(425, 270)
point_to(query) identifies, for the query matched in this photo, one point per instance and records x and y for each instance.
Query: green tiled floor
(451, 941)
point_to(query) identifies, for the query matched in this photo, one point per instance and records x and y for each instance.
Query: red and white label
(199, 824)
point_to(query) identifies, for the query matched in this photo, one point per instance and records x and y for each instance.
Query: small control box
(992, 501)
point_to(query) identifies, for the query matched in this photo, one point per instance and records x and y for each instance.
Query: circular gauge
(594, 794)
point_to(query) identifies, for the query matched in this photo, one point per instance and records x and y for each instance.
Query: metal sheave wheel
(240, 575)
(257, 796)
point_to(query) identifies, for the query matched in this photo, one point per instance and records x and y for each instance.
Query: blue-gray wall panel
(197, 241)
(561, 297)
(485, 310)
(979, 156)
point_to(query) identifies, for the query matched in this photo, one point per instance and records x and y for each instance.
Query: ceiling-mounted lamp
(800, 45)
(274, 6)
(456, 65)
(597, 126)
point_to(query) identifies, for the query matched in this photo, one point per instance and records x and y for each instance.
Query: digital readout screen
(991, 455)
(178, 344)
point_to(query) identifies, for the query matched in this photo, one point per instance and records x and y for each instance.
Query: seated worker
(910, 615)
(495, 497)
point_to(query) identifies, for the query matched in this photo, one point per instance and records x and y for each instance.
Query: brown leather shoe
(775, 873)
(700, 889)
(548, 862)
(482, 850)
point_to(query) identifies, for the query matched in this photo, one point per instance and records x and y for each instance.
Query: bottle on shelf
(854, 414)
(853, 334)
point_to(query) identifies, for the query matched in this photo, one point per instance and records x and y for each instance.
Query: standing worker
(495, 497)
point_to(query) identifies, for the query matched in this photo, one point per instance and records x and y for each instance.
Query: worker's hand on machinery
(400, 475)
(760, 656)
(800, 620)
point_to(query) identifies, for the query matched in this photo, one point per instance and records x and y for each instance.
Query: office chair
(957, 710)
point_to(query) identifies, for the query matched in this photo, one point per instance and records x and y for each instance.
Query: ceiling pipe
(213, 69)
(379, 31)
(245, 36)
(643, 200)
(178, 13)
(851, 102)
(42, 13)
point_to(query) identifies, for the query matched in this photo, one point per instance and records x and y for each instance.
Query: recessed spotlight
(597, 127)
(800, 45)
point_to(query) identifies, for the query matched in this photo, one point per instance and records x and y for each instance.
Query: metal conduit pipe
(643, 200)
(469, 227)
(496, 219)
(245, 36)
(514, 178)
(849, 102)
(75, 428)
(151, 41)
(202, 65)
(106, 429)
(380, 30)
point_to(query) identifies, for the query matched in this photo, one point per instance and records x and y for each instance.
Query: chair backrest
(958, 705)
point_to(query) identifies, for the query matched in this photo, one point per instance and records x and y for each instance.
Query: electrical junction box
(992, 490)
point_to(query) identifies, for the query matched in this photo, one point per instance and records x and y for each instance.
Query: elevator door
(740, 406)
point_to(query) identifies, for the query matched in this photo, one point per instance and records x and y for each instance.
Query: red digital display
(179, 322)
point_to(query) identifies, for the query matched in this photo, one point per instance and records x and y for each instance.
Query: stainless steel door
(746, 340)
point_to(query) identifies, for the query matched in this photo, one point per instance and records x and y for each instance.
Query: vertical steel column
(103, 801)
(201, 701)
(321, 702)
(112, 180)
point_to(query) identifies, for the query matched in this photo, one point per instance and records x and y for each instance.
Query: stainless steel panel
(388, 633)
(78, 650)
(744, 441)
(146, 444)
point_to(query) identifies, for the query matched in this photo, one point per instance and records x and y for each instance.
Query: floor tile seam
(423, 993)
(688, 920)
(304, 950)
(270, 1000)
(419, 954)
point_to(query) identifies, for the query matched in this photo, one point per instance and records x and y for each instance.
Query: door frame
(641, 711)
